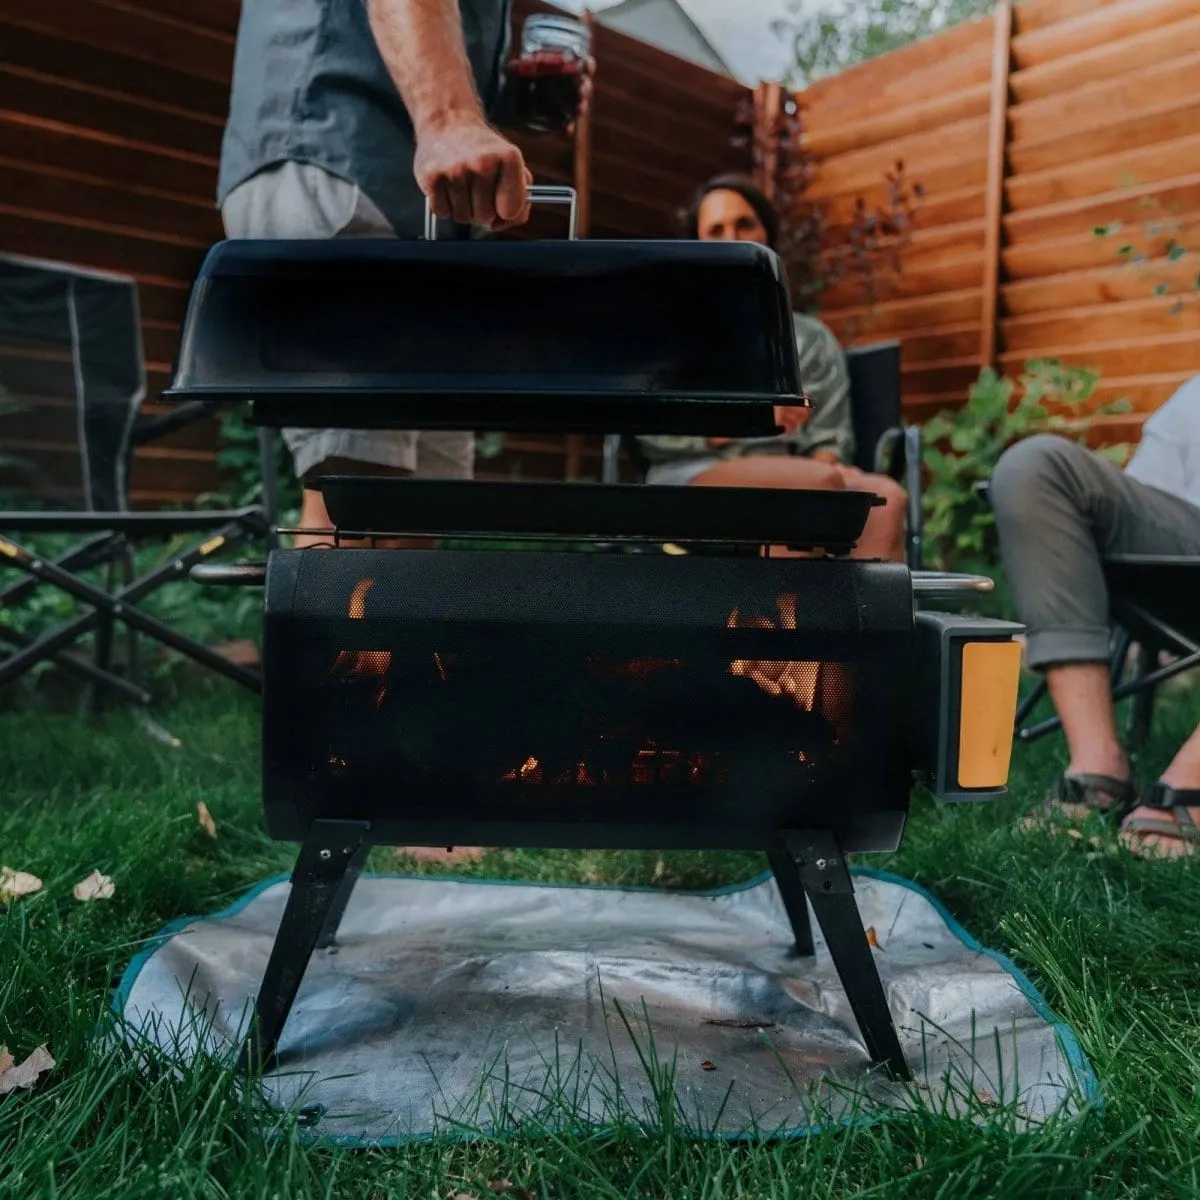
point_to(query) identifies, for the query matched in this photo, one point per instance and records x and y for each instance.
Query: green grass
(1113, 943)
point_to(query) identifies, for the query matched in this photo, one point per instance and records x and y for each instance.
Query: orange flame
(795, 679)
(363, 664)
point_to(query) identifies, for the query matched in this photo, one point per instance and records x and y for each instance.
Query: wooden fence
(1030, 130)
(111, 114)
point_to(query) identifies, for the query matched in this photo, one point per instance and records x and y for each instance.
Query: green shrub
(963, 445)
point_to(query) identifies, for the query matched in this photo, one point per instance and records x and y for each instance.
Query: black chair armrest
(150, 429)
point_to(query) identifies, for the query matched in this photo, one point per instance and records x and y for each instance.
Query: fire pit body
(579, 697)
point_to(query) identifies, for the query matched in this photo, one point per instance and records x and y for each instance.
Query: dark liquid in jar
(546, 89)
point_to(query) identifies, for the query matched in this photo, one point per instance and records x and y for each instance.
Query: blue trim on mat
(1084, 1075)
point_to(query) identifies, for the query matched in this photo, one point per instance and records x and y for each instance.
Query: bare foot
(1166, 844)
(448, 856)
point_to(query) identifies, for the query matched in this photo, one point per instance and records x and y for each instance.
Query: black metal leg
(791, 892)
(1029, 703)
(325, 858)
(337, 910)
(1141, 705)
(822, 869)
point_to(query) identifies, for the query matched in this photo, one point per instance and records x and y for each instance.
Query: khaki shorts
(299, 200)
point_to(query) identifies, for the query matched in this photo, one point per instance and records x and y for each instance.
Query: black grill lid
(582, 337)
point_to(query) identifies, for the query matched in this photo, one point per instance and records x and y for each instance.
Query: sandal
(1076, 796)
(1177, 823)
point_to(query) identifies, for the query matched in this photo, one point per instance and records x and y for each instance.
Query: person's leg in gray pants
(1059, 510)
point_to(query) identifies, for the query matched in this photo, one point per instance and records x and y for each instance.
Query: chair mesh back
(874, 397)
(71, 381)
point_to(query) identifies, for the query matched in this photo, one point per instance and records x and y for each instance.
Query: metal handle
(236, 574)
(539, 193)
(942, 583)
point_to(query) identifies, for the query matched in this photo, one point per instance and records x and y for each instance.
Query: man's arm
(470, 173)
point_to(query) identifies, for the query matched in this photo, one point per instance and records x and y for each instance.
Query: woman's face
(727, 216)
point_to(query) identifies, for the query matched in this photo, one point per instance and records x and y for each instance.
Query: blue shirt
(309, 85)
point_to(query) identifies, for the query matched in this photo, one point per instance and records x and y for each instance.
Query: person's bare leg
(1183, 774)
(1082, 695)
(883, 536)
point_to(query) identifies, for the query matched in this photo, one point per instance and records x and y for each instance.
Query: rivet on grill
(820, 864)
(325, 856)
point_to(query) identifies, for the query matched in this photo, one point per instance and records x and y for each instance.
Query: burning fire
(796, 679)
(363, 664)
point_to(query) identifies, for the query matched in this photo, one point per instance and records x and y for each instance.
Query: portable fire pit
(565, 698)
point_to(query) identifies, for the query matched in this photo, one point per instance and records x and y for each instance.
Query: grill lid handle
(236, 574)
(539, 193)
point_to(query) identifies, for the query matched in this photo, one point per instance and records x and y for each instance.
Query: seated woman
(815, 449)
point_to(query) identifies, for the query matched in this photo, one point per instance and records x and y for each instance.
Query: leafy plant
(240, 462)
(817, 254)
(962, 447)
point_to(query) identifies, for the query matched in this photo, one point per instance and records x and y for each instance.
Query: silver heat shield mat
(464, 1005)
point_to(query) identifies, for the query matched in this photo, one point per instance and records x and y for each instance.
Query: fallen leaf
(6, 1059)
(986, 1098)
(448, 857)
(504, 1187)
(707, 1066)
(18, 883)
(27, 1073)
(464, 1196)
(95, 887)
(205, 818)
(873, 941)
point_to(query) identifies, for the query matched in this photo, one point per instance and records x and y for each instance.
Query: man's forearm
(421, 42)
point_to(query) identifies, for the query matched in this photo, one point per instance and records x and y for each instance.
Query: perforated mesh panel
(565, 687)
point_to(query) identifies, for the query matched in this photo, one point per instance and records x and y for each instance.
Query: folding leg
(337, 911)
(318, 880)
(1141, 705)
(791, 892)
(822, 870)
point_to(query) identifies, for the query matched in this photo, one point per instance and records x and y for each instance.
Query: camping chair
(72, 380)
(884, 445)
(1155, 602)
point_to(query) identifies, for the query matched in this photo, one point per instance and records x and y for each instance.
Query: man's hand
(472, 174)
(469, 172)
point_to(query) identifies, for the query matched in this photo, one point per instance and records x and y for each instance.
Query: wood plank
(1105, 117)
(923, 281)
(995, 193)
(689, 165)
(1039, 14)
(894, 317)
(1100, 285)
(64, 104)
(1086, 251)
(1166, 353)
(931, 210)
(949, 376)
(1129, 320)
(217, 16)
(89, 246)
(611, 47)
(905, 74)
(1114, 63)
(650, 109)
(93, 156)
(63, 194)
(944, 241)
(1134, 204)
(920, 153)
(949, 180)
(829, 140)
(1105, 26)
(1138, 167)
(137, 33)
(116, 74)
